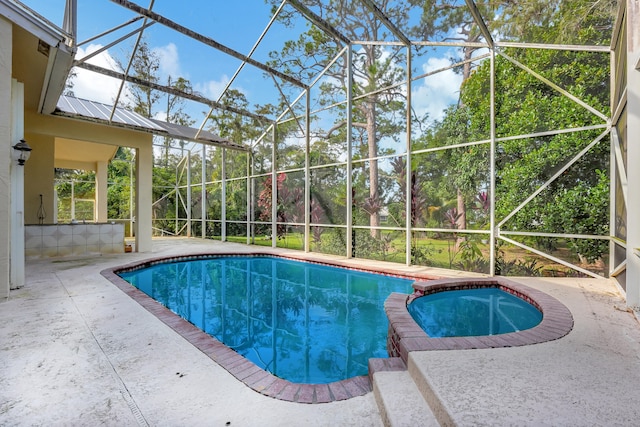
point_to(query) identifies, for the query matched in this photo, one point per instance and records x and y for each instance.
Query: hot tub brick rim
(557, 320)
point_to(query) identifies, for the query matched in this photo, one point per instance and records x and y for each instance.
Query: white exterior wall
(633, 153)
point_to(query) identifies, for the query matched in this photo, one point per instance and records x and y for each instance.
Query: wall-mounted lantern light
(22, 151)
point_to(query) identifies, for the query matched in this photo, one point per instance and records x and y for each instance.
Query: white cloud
(95, 86)
(160, 115)
(433, 94)
(212, 89)
(169, 60)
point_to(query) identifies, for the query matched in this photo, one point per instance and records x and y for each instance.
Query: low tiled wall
(73, 239)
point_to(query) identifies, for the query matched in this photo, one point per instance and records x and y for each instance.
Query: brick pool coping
(405, 335)
(241, 368)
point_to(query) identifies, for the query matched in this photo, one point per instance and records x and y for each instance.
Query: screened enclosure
(478, 136)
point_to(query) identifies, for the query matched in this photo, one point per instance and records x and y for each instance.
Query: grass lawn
(439, 253)
(437, 249)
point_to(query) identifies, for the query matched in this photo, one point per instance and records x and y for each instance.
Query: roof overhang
(96, 112)
(46, 55)
(32, 22)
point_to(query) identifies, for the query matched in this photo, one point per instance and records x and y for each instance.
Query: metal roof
(84, 109)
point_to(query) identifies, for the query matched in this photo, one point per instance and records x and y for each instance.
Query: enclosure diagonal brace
(385, 20)
(554, 86)
(319, 22)
(289, 106)
(241, 67)
(551, 257)
(104, 33)
(480, 21)
(113, 43)
(170, 90)
(205, 40)
(554, 177)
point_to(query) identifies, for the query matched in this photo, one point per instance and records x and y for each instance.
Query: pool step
(397, 395)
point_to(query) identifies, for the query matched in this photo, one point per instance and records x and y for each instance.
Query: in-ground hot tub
(406, 335)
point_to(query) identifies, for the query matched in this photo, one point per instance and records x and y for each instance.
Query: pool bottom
(405, 335)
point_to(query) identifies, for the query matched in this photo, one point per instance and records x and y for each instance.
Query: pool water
(473, 312)
(303, 322)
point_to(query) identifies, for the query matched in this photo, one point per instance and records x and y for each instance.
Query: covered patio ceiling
(70, 154)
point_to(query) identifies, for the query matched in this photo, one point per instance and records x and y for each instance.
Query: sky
(237, 25)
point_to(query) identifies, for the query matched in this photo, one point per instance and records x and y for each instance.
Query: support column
(633, 153)
(408, 167)
(5, 152)
(223, 206)
(307, 172)
(492, 168)
(188, 209)
(16, 241)
(350, 235)
(203, 192)
(101, 211)
(144, 196)
(249, 190)
(274, 190)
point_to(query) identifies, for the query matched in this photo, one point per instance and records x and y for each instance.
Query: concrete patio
(76, 350)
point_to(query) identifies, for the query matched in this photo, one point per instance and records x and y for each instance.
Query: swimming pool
(303, 322)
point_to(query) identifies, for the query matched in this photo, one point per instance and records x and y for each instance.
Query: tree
(145, 66)
(69, 83)
(541, 21)
(375, 114)
(242, 130)
(148, 102)
(576, 202)
(120, 186)
(175, 112)
(450, 20)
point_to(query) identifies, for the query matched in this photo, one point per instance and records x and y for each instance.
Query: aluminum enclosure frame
(619, 111)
